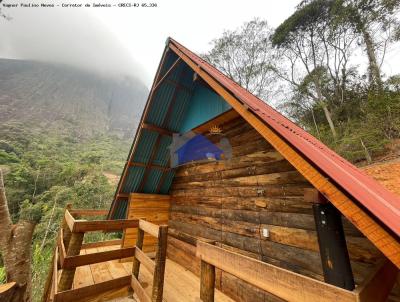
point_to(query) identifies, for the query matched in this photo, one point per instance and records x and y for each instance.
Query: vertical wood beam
(139, 245)
(159, 271)
(377, 287)
(66, 231)
(332, 243)
(47, 286)
(207, 282)
(74, 248)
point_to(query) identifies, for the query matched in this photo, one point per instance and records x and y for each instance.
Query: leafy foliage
(246, 56)
(2, 275)
(314, 13)
(314, 56)
(46, 170)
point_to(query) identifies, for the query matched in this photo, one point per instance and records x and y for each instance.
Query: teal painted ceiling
(180, 103)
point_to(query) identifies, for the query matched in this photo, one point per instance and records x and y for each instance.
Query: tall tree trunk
(327, 113)
(328, 117)
(15, 248)
(17, 259)
(374, 70)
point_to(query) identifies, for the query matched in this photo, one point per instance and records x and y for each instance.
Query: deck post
(74, 248)
(139, 244)
(161, 254)
(47, 285)
(65, 227)
(207, 282)
(332, 243)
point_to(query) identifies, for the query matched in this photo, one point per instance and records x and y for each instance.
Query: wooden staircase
(68, 256)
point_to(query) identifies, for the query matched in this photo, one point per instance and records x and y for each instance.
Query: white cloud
(72, 36)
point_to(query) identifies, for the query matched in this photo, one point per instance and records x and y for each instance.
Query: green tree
(315, 56)
(245, 55)
(15, 244)
(370, 19)
(317, 44)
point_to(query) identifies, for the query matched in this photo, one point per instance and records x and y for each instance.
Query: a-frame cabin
(284, 218)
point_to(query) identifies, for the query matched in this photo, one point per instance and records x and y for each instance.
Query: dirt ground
(112, 178)
(387, 173)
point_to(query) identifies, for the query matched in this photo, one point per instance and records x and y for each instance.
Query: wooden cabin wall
(151, 207)
(232, 201)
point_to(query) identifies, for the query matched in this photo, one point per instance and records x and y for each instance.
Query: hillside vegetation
(327, 68)
(62, 130)
(67, 100)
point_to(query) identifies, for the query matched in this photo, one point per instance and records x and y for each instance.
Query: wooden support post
(332, 243)
(65, 227)
(161, 254)
(207, 282)
(139, 244)
(47, 285)
(74, 248)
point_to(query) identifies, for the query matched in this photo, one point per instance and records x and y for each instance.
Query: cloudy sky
(132, 40)
(193, 23)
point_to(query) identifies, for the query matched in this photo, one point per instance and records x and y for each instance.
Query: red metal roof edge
(382, 203)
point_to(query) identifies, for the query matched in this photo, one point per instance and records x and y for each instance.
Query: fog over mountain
(63, 69)
(68, 100)
(71, 36)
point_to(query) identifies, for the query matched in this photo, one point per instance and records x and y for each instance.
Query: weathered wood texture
(231, 202)
(150, 207)
(67, 275)
(283, 283)
(139, 246)
(159, 270)
(93, 290)
(207, 282)
(379, 284)
(383, 239)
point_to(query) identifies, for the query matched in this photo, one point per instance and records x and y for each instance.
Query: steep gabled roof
(372, 208)
(378, 200)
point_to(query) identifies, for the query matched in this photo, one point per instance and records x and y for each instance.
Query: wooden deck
(179, 284)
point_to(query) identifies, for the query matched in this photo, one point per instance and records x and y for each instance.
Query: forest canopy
(311, 67)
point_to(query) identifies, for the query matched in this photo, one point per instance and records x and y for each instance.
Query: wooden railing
(67, 256)
(285, 284)
(157, 266)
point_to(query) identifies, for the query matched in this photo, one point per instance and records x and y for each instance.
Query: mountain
(62, 98)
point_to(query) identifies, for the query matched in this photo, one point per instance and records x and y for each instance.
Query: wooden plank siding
(232, 201)
(151, 207)
(367, 224)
